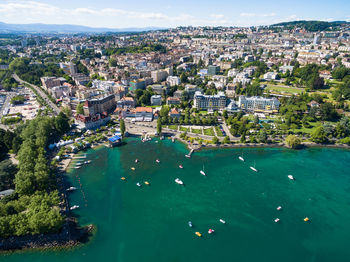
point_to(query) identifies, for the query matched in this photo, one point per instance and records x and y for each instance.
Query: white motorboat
(71, 188)
(188, 156)
(190, 224)
(253, 168)
(138, 184)
(290, 177)
(74, 207)
(157, 160)
(279, 208)
(180, 166)
(277, 220)
(222, 221)
(136, 160)
(178, 181)
(202, 171)
(241, 158)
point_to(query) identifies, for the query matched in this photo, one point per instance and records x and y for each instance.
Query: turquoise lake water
(150, 223)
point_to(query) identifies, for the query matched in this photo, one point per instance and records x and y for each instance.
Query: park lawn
(218, 131)
(172, 127)
(184, 129)
(209, 132)
(307, 130)
(285, 89)
(196, 130)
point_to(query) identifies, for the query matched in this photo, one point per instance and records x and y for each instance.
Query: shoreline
(70, 236)
(197, 147)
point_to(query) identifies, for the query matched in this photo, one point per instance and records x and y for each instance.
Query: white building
(156, 100)
(270, 76)
(258, 104)
(173, 80)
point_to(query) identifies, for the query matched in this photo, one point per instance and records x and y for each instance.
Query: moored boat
(157, 161)
(122, 178)
(222, 221)
(133, 168)
(211, 231)
(74, 207)
(291, 177)
(277, 220)
(178, 181)
(190, 224)
(180, 166)
(71, 188)
(279, 208)
(138, 184)
(198, 234)
(146, 183)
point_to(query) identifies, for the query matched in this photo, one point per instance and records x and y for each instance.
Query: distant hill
(312, 26)
(53, 28)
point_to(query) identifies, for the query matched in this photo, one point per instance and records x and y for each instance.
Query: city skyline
(156, 13)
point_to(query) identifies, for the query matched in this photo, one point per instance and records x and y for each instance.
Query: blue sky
(161, 13)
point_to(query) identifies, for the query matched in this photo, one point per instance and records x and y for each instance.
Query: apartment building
(99, 105)
(210, 102)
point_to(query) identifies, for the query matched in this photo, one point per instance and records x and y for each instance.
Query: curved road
(55, 109)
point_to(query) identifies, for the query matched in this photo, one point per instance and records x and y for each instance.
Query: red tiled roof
(144, 109)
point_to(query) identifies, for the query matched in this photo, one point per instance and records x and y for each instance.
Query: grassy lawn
(184, 129)
(218, 131)
(172, 127)
(209, 132)
(285, 89)
(196, 130)
(307, 130)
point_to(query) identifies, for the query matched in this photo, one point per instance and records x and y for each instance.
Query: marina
(232, 212)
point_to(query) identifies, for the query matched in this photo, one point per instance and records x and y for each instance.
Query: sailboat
(241, 157)
(253, 168)
(202, 171)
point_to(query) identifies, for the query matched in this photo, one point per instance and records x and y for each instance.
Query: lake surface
(150, 223)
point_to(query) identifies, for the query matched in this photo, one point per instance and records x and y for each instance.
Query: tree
(226, 140)
(328, 113)
(319, 135)
(315, 82)
(113, 62)
(293, 141)
(256, 120)
(159, 126)
(262, 136)
(215, 140)
(122, 127)
(80, 109)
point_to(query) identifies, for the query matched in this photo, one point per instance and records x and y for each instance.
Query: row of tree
(34, 209)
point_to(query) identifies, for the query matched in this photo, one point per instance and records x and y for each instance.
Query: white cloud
(217, 16)
(247, 14)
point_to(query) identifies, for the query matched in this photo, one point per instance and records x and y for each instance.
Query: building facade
(210, 102)
(259, 104)
(99, 105)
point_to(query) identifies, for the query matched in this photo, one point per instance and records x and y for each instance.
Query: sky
(170, 13)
